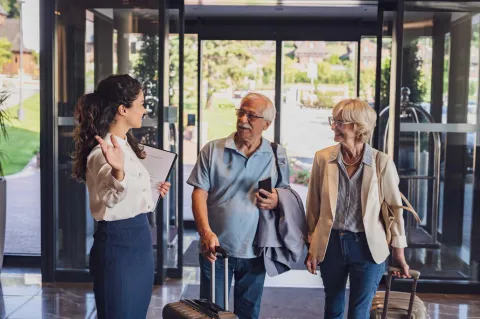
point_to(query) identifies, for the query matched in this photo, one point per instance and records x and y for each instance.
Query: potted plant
(4, 117)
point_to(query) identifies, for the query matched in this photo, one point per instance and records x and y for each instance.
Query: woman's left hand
(399, 257)
(163, 188)
(268, 203)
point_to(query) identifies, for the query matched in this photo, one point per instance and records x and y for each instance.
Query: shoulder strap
(279, 173)
(379, 177)
(409, 206)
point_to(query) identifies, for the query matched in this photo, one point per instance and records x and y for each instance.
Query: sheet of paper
(159, 164)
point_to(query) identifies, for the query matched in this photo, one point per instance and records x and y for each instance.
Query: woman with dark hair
(107, 158)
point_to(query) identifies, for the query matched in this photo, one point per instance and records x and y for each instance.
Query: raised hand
(113, 154)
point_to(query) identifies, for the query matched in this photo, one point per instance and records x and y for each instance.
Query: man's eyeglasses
(251, 117)
(331, 121)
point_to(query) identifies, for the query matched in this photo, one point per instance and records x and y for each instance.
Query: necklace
(354, 163)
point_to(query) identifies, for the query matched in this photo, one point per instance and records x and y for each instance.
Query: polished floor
(24, 297)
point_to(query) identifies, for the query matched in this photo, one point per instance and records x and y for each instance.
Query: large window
(316, 75)
(19, 80)
(190, 120)
(92, 44)
(231, 69)
(436, 163)
(438, 83)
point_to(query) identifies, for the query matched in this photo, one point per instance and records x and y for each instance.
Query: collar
(367, 154)
(265, 146)
(121, 141)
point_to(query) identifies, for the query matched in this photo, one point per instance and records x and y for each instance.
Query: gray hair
(269, 112)
(361, 114)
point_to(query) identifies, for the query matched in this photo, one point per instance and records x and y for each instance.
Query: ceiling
(364, 11)
(283, 3)
(272, 9)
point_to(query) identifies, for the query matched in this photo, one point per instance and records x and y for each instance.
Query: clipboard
(159, 164)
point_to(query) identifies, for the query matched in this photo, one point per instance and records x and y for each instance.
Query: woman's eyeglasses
(251, 117)
(339, 124)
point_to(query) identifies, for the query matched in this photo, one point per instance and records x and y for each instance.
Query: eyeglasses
(339, 124)
(251, 117)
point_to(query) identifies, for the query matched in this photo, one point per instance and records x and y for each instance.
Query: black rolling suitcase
(202, 308)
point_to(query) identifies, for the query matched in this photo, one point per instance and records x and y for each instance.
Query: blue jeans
(348, 254)
(249, 279)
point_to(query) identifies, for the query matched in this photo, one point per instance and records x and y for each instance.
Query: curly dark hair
(95, 112)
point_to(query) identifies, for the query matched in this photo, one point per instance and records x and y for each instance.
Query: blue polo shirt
(231, 180)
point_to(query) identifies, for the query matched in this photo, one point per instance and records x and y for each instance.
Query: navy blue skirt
(121, 264)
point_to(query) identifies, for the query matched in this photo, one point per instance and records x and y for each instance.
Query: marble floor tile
(20, 285)
(9, 304)
(295, 278)
(55, 306)
(24, 296)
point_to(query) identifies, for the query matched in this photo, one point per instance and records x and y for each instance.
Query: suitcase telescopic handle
(415, 275)
(223, 253)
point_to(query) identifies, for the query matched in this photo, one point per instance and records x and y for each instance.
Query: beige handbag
(387, 215)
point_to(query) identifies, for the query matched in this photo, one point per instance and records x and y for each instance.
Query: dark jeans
(348, 255)
(249, 279)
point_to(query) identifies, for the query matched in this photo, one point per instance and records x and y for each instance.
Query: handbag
(387, 216)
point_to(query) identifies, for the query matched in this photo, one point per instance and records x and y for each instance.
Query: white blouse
(113, 200)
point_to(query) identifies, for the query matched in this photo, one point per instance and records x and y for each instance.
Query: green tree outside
(412, 76)
(190, 70)
(147, 66)
(11, 7)
(5, 51)
(224, 63)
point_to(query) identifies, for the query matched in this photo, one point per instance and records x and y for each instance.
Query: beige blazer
(322, 203)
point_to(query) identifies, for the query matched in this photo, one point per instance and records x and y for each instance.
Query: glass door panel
(190, 129)
(437, 138)
(92, 44)
(230, 70)
(316, 75)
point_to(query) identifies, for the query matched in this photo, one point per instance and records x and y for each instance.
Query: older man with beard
(227, 202)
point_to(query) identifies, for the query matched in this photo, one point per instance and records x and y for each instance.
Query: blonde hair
(361, 114)
(269, 112)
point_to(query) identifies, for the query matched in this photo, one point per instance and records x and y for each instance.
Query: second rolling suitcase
(398, 305)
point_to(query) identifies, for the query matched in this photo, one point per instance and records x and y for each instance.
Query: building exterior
(10, 30)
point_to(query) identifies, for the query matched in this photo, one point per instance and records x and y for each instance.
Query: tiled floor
(24, 297)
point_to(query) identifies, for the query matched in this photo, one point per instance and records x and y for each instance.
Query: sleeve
(109, 190)
(314, 197)
(283, 165)
(200, 176)
(392, 197)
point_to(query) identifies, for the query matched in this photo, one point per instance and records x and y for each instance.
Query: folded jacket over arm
(282, 233)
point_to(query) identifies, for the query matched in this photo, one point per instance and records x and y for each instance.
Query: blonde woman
(346, 235)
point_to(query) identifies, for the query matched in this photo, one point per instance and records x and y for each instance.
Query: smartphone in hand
(265, 184)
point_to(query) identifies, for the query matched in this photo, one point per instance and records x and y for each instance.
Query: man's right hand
(209, 241)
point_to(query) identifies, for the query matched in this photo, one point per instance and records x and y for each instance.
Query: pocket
(366, 254)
